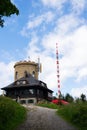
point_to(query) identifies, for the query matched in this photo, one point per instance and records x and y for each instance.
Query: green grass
(11, 114)
(76, 114)
(48, 105)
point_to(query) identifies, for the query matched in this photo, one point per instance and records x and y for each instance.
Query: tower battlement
(25, 62)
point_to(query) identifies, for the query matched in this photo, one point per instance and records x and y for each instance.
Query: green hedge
(75, 113)
(11, 114)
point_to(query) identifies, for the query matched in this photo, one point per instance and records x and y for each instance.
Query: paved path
(40, 118)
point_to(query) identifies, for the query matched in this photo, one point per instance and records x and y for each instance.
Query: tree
(68, 98)
(7, 8)
(83, 97)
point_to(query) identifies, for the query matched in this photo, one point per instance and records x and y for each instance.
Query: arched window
(25, 74)
(33, 73)
(16, 75)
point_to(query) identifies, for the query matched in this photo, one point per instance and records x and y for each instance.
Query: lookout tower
(24, 67)
(26, 87)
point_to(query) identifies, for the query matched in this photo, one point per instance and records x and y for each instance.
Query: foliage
(83, 97)
(11, 114)
(7, 8)
(68, 98)
(75, 113)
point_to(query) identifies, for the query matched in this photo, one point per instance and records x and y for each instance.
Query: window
(16, 75)
(18, 82)
(42, 84)
(24, 82)
(25, 74)
(31, 101)
(49, 94)
(33, 73)
(31, 91)
(21, 82)
(23, 101)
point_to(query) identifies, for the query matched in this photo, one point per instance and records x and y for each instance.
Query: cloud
(54, 3)
(37, 21)
(78, 6)
(7, 73)
(77, 51)
(67, 23)
(76, 92)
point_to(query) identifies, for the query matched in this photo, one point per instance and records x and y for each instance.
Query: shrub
(80, 117)
(11, 113)
(75, 113)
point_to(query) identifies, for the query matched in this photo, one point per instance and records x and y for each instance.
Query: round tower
(26, 66)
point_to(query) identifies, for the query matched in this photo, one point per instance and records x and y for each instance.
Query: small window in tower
(25, 74)
(33, 73)
(16, 75)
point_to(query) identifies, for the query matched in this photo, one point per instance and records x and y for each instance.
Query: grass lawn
(11, 114)
(48, 105)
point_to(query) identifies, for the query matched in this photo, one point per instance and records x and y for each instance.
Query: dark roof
(27, 81)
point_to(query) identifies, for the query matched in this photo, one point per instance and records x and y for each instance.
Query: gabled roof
(26, 81)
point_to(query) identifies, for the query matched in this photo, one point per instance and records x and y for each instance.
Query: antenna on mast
(58, 75)
(39, 66)
(28, 58)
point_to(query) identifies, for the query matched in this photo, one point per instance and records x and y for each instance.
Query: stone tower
(24, 67)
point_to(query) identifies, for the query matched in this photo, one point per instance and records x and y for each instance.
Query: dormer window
(42, 84)
(17, 82)
(21, 82)
(24, 82)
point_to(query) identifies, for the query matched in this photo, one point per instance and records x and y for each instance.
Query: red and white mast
(58, 75)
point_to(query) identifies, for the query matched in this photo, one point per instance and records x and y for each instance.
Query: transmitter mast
(58, 73)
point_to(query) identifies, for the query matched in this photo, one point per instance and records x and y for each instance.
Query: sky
(34, 33)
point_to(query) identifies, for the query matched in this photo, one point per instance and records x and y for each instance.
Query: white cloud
(37, 21)
(78, 6)
(53, 3)
(7, 73)
(63, 31)
(76, 92)
(75, 55)
(67, 24)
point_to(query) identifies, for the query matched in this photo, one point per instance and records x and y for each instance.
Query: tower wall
(25, 66)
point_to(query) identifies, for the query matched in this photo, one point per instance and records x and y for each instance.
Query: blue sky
(35, 32)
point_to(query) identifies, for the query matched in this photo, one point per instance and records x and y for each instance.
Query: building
(26, 87)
